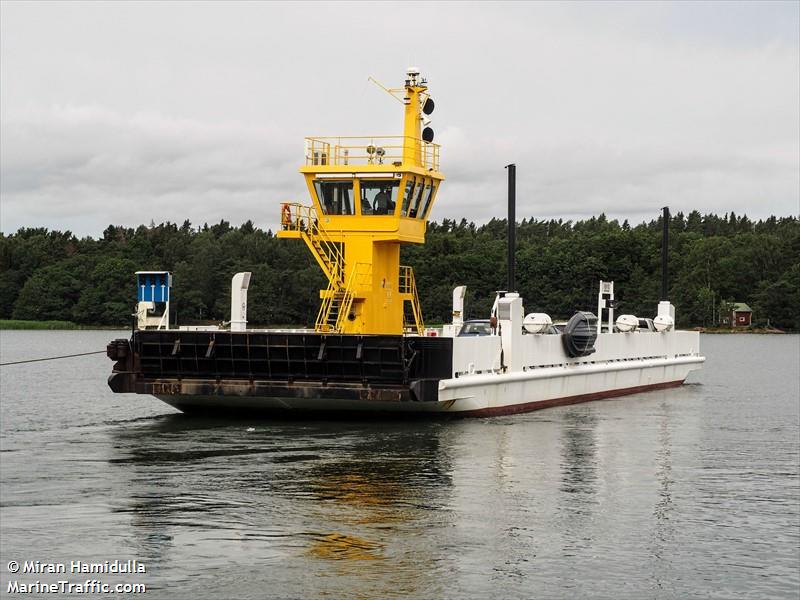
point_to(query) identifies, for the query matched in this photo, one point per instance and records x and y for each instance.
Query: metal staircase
(304, 221)
(408, 287)
(338, 301)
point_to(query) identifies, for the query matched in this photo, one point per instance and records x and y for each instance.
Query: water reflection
(664, 505)
(663, 537)
(505, 463)
(337, 546)
(578, 477)
(579, 455)
(323, 497)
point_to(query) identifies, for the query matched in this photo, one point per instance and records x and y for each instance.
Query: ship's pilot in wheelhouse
(378, 197)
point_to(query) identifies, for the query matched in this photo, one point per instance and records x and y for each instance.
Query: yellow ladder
(338, 301)
(408, 285)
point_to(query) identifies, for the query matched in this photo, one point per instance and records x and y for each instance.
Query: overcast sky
(125, 113)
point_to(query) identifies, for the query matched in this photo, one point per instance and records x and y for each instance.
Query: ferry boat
(368, 196)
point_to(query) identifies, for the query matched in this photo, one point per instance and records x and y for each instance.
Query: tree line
(714, 260)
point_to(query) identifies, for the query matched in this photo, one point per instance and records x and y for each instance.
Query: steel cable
(19, 362)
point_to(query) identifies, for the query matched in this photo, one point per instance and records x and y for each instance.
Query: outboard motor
(580, 334)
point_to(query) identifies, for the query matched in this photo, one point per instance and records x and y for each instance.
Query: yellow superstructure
(369, 195)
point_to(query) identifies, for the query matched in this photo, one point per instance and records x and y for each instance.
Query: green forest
(53, 275)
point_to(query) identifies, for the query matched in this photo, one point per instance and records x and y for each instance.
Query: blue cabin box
(153, 286)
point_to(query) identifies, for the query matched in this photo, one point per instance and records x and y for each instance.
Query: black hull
(281, 365)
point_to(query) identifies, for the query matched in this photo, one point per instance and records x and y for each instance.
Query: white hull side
(486, 394)
(539, 388)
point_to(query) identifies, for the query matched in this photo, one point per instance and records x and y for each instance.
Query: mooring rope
(19, 362)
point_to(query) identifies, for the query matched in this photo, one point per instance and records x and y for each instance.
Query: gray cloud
(123, 113)
(101, 167)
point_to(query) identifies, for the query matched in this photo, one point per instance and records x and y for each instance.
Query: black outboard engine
(580, 334)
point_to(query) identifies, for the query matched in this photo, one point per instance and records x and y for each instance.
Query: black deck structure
(282, 365)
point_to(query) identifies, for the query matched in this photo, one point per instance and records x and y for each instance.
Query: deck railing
(375, 150)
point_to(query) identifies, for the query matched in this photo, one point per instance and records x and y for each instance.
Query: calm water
(685, 493)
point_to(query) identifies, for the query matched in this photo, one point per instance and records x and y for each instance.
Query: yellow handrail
(360, 274)
(408, 285)
(321, 325)
(304, 219)
(368, 150)
(343, 297)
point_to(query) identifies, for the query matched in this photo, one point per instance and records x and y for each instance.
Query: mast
(665, 254)
(512, 225)
(412, 145)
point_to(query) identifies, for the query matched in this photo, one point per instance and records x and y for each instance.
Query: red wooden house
(740, 315)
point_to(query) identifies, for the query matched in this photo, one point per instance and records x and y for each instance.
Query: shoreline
(24, 325)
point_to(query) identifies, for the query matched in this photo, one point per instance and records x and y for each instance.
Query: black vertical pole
(512, 223)
(665, 254)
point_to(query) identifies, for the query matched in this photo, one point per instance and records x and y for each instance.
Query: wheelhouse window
(335, 197)
(378, 197)
(409, 194)
(430, 190)
(417, 201)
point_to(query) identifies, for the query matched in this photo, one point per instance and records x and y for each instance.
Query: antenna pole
(512, 224)
(384, 88)
(665, 254)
